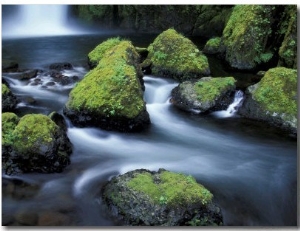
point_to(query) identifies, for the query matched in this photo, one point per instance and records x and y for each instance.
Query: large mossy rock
(110, 96)
(162, 198)
(172, 55)
(206, 94)
(273, 99)
(33, 143)
(288, 48)
(9, 100)
(247, 34)
(98, 52)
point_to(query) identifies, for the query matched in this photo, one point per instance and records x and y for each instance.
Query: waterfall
(37, 20)
(233, 107)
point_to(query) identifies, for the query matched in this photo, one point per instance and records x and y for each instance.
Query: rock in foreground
(162, 198)
(33, 143)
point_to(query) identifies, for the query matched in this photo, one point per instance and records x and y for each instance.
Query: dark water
(250, 168)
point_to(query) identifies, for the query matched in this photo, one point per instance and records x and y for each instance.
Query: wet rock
(162, 198)
(49, 218)
(9, 100)
(273, 99)
(9, 65)
(61, 66)
(174, 56)
(110, 96)
(24, 74)
(49, 84)
(26, 217)
(34, 144)
(206, 94)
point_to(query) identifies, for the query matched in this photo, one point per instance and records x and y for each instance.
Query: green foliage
(214, 42)
(174, 189)
(9, 122)
(112, 88)
(277, 91)
(99, 51)
(32, 133)
(174, 55)
(209, 90)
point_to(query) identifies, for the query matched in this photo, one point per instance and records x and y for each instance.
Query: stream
(250, 167)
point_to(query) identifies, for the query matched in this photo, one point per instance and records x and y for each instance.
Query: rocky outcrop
(273, 99)
(9, 100)
(110, 96)
(206, 94)
(33, 143)
(163, 198)
(172, 55)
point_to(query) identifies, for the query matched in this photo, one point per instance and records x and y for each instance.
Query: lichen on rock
(110, 96)
(175, 56)
(205, 94)
(162, 198)
(274, 99)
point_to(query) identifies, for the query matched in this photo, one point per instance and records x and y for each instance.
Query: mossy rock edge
(163, 198)
(273, 99)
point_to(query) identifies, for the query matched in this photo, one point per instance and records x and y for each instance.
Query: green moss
(176, 56)
(5, 89)
(98, 52)
(9, 122)
(171, 189)
(112, 88)
(32, 133)
(288, 49)
(209, 90)
(277, 91)
(246, 34)
(214, 42)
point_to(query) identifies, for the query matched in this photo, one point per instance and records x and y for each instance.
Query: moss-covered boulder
(9, 100)
(162, 198)
(274, 99)
(247, 34)
(172, 55)
(213, 46)
(206, 94)
(33, 143)
(110, 96)
(98, 52)
(288, 48)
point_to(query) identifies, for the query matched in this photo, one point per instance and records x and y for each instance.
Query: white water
(34, 20)
(233, 107)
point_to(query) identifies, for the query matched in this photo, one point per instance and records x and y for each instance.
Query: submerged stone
(162, 198)
(274, 99)
(110, 96)
(206, 94)
(175, 56)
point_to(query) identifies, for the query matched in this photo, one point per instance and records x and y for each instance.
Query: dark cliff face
(196, 20)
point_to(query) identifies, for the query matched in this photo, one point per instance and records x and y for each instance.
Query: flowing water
(250, 167)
